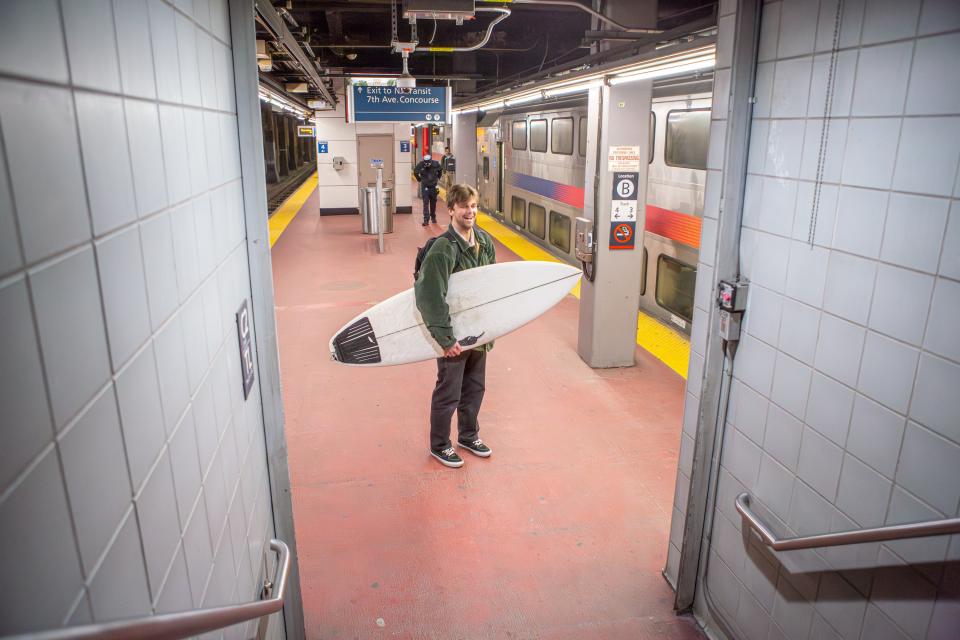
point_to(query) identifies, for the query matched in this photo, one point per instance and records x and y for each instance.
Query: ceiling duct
(276, 25)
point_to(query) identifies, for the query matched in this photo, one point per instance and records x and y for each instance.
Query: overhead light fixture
(572, 88)
(665, 71)
(700, 59)
(511, 102)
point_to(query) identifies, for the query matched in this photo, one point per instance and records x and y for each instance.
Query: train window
(675, 285)
(688, 135)
(518, 135)
(561, 136)
(486, 167)
(560, 231)
(538, 135)
(583, 137)
(518, 211)
(537, 220)
(653, 134)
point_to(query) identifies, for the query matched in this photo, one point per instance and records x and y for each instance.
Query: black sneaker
(433, 219)
(448, 457)
(425, 223)
(476, 447)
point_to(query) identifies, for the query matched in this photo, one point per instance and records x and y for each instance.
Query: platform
(562, 533)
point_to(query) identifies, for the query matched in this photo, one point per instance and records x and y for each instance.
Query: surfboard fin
(469, 341)
(357, 344)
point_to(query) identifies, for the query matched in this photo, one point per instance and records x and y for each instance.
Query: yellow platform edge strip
(665, 344)
(283, 216)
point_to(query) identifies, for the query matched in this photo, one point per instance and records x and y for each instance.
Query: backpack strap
(448, 234)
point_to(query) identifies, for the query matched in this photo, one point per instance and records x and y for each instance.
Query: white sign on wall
(623, 158)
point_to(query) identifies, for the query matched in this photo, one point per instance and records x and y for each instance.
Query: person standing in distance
(460, 374)
(427, 173)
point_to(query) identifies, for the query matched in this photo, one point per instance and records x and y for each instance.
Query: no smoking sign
(622, 235)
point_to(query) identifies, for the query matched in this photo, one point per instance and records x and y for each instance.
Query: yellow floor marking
(667, 345)
(289, 209)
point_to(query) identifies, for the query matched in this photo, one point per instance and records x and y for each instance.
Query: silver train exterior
(530, 174)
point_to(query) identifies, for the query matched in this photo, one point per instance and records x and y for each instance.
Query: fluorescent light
(572, 88)
(524, 99)
(662, 72)
(679, 63)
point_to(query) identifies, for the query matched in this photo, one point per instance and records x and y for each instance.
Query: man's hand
(454, 351)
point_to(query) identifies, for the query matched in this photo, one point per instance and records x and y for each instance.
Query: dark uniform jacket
(442, 260)
(427, 173)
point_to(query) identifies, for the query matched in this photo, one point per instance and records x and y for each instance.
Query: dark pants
(460, 385)
(429, 195)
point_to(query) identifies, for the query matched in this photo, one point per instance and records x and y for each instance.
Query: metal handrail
(877, 534)
(170, 626)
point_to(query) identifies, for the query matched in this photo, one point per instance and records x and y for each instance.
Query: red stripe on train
(674, 225)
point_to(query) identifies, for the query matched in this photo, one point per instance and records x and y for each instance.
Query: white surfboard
(485, 304)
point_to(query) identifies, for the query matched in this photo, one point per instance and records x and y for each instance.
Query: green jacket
(441, 260)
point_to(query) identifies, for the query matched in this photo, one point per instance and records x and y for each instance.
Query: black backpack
(422, 251)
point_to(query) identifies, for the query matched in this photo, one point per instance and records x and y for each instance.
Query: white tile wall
(88, 26)
(123, 259)
(99, 494)
(844, 408)
(914, 231)
(871, 152)
(39, 131)
(928, 155)
(886, 371)
(860, 216)
(881, 81)
(933, 82)
(829, 407)
(28, 424)
(875, 435)
(37, 52)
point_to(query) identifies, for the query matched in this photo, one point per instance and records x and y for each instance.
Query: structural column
(465, 147)
(617, 143)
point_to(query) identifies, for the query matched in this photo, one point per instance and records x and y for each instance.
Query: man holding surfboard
(460, 374)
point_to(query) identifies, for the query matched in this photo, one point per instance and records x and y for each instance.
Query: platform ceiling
(352, 38)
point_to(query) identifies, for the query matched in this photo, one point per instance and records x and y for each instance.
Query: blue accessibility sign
(323, 146)
(398, 104)
(404, 146)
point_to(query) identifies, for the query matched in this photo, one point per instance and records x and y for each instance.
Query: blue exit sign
(397, 104)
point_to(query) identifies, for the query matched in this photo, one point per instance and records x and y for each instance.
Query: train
(531, 163)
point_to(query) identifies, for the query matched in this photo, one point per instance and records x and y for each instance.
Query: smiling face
(464, 215)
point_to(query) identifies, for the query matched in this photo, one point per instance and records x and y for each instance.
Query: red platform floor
(562, 533)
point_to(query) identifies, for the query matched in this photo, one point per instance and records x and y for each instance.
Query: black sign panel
(625, 185)
(246, 348)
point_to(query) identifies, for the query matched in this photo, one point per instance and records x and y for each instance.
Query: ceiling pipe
(595, 14)
(505, 13)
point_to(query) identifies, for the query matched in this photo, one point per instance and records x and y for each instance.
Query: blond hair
(460, 194)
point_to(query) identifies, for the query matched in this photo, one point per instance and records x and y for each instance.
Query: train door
(500, 177)
(374, 147)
